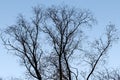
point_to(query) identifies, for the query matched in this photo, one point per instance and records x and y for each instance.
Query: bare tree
(100, 48)
(64, 28)
(24, 39)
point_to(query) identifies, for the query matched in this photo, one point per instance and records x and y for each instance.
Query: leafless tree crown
(64, 28)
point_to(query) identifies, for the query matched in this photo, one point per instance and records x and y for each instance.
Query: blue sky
(105, 11)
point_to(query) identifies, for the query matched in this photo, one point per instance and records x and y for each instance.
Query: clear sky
(105, 11)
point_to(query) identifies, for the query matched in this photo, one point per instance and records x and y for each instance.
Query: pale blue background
(105, 11)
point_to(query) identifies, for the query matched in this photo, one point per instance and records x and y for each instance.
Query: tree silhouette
(64, 29)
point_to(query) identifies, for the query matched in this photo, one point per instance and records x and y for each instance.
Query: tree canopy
(63, 29)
